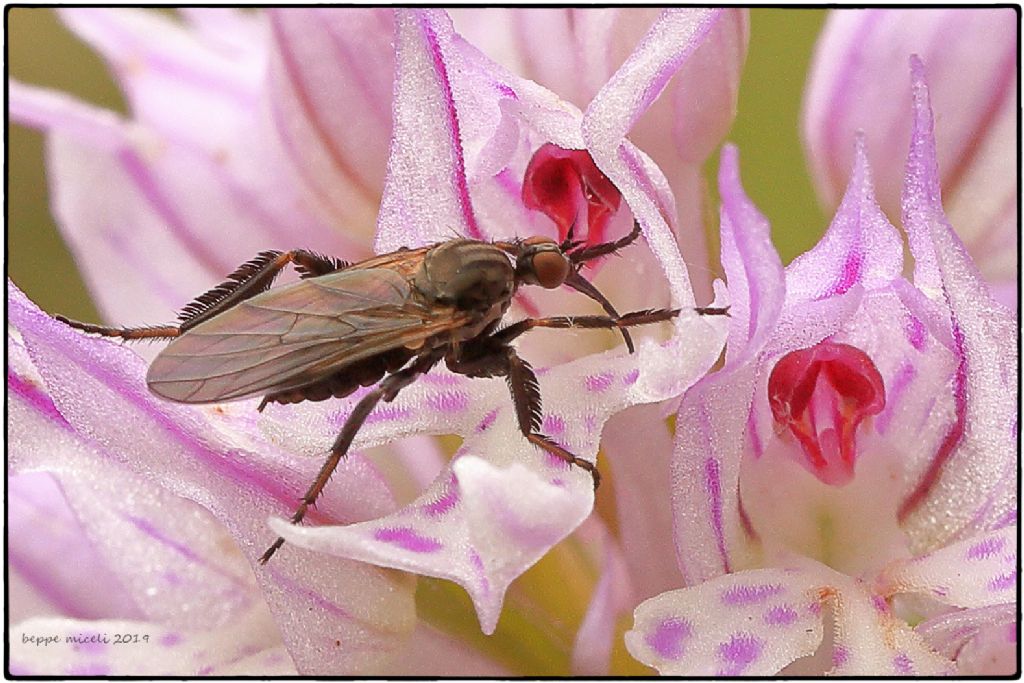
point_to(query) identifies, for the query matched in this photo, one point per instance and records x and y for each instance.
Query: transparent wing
(294, 335)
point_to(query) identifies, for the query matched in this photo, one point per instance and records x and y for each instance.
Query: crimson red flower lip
(571, 190)
(822, 394)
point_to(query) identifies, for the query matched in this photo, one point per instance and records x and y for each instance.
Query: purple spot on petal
(591, 423)
(488, 420)
(851, 274)
(88, 669)
(750, 595)
(449, 499)
(170, 639)
(172, 578)
(553, 424)
(814, 608)
(88, 643)
(481, 572)
(914, 330)
(668, 640)
(631, 377)
(940, 591)
(986, 548)
(599, 382)
(1003, 582)
(449, 401)
(840, 655)
(780, 615)
(407, 539)
(880, 605)
(902, 664)
(387, 413)
(740, 652)
(205, 671)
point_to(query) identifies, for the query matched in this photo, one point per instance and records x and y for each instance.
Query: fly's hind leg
(386, 391)
(245, 282)
(492, 357)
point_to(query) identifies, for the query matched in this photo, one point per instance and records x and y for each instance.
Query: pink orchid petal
(971, 56)
(977, 572)
(246, 646)
(175, 82)
(426, 144)
(613, 595)
(757, 285)
(639, 445)
(983, 641)
(97, 389)
(982, 438)
(50, 552)
(947, 633)
(713, 414)
(137, 211)
(329, 95)
(615, 110)
(860, 247)
(752, 623)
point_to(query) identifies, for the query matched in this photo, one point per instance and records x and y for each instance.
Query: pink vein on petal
(459, 169)
(148, 186)
(952, 439)
(294, 73)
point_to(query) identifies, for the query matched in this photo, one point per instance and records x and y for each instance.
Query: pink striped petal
(983, 436)
(213, 457)
(328, 93)
(613, 596)
(858, 82)
(859, 248)
(244, 647)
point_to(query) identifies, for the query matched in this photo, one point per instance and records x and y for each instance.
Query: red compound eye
(821, 395)
(551, 268)
(567, 186)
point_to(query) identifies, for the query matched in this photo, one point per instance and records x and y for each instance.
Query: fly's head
(541, 261)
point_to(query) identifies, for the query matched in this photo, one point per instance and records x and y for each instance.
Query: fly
(384, 321)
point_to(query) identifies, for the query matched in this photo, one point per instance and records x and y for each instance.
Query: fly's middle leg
(386, 391)
(492, 357)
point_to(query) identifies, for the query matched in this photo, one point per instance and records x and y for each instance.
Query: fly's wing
(296, 334)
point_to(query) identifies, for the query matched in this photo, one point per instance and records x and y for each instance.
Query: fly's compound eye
(550, 268)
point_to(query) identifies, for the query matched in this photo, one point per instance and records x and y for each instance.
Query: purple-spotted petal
(246, 646)
(92, 392)
(977, 572)
(751, 623)
(481, 526)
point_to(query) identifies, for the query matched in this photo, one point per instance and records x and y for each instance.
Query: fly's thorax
(470, 275)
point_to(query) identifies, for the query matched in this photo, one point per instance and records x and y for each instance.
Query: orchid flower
(845, 496)
(858, 82)
(235, 145)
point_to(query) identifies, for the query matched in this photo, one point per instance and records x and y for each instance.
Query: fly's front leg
(386, 391)
(492, 357)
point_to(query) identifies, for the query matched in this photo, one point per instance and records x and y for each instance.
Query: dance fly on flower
(384, 321)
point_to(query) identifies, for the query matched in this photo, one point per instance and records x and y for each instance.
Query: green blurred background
(42, 52)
